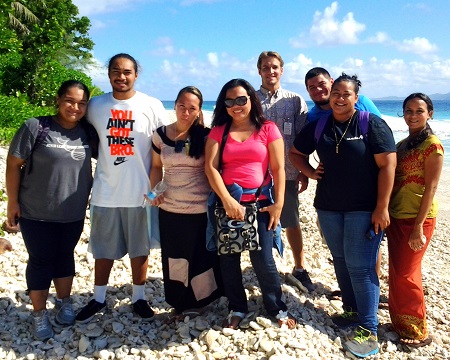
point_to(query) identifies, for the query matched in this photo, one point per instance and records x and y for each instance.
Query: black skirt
(191, 273)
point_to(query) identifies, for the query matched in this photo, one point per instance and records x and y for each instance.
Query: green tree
(35, 61)
(18, 13)
(10, 48)
(60, 36)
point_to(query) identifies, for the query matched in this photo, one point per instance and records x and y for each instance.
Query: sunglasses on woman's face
(239, 101)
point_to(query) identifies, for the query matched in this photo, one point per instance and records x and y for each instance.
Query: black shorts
(50, 247)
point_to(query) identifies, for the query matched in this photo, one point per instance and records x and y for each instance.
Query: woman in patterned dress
(413, 211)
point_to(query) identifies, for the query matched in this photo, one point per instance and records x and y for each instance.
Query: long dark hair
(415, 140)
(220, 114)
(197, 131)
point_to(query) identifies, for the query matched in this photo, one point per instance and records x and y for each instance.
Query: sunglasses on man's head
(239, 101)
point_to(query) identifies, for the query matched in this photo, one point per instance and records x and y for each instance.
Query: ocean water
(391, 111)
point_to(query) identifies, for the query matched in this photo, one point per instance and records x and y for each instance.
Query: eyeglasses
(239, 101)
(179, 145)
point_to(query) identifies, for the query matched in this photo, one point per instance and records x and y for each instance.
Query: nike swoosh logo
(119, 161)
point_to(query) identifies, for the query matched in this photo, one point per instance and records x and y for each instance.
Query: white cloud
(295, 70)
(164, 47)
(418, 6)
(380, 78)
(174, 71)
(299, 62)
(171, 71)
(98, 72)
(326, 30)
(418, 45)
(379, 38)
(399, 77)
(208, 73)
(299, 41)
(97, 24)
(213, 59)
(358, 63)
(89, 7)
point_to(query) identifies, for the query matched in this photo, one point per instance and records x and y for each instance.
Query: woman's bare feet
(233, 320)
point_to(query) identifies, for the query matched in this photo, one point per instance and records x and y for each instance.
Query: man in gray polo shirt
(288, 110)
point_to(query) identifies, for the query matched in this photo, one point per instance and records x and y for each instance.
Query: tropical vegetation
(42, 44)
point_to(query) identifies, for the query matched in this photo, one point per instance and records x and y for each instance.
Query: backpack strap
(321, 122)
(363, 121)
(44, 127)
(92, 135)
(222, 144)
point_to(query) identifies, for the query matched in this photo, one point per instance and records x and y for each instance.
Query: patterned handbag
(233, 235)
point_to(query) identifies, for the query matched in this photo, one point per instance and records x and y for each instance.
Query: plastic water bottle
(155, 192)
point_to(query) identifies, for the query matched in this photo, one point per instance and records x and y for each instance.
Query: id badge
(287, 128)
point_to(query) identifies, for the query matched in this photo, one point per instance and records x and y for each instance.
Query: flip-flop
(417, 344)
(383, 302)
(245, 322)
(383, 305)
(233, 320)
(335, 295)
(191, 313)
(175, 317)
(286, 318)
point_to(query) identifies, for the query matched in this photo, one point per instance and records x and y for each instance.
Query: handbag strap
(222, 144)
(222, 147)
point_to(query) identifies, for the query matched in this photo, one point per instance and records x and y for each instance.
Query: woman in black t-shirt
(355, 177)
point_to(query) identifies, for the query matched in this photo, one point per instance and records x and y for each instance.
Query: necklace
(343, 135)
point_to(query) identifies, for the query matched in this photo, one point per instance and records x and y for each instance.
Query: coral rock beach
(119, 334)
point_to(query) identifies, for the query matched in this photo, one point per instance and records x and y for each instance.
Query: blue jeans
(354, 258)
(265, 269)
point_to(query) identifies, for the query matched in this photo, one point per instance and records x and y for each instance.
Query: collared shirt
(288, 110)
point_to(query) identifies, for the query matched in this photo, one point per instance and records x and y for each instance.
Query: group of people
(259, 140)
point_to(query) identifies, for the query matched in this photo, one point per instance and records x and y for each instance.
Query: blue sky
(396, 47)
